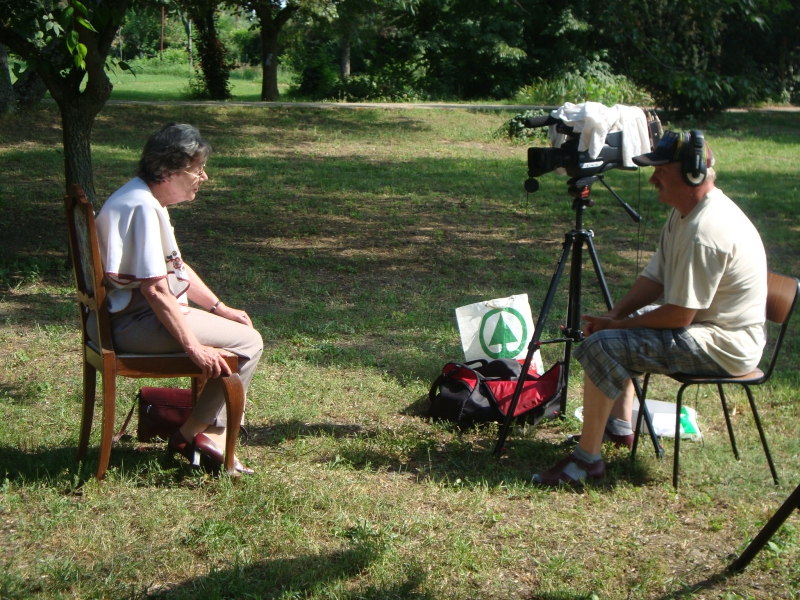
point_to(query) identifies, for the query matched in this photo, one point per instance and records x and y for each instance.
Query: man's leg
(623, 407)
(596, 409)
(585, 462)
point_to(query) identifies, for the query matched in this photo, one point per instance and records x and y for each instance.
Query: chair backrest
(781, 297)
(86, 264)
(782, 292)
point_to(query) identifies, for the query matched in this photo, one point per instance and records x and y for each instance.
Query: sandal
(567, 471)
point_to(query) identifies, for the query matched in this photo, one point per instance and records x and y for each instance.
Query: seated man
(710, 269)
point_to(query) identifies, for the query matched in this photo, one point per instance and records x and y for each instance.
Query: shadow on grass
(691, 590)
(561, 596)
(301, 577)
(440, 453)
(59, 467)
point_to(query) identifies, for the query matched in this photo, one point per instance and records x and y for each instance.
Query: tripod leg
(598, 270)
(647, 418)
(548, 303)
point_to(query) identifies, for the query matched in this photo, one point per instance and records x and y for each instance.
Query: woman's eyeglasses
(200, 174)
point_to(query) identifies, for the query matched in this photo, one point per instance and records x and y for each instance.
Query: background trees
(693, 56)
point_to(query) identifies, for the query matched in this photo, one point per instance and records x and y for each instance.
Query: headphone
(693, 161)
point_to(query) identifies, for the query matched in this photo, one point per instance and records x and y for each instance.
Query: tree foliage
(67, 44)
(697, 55)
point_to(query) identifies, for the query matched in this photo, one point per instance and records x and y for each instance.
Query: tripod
(574, 241)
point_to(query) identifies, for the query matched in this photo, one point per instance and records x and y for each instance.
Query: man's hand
(595, 324)
(210, 360)
(233, 314)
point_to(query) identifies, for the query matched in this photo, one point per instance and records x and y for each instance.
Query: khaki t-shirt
(713, 260)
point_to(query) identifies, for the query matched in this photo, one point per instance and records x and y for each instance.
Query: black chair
(782, 294)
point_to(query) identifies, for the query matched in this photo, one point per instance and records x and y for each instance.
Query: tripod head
(580, 190)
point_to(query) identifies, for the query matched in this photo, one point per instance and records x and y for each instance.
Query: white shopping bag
(663, 416)
(499, 328)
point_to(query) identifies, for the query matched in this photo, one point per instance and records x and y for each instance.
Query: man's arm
(645, 291)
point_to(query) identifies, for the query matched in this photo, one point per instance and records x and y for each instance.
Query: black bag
(481, 391)
(162, 411)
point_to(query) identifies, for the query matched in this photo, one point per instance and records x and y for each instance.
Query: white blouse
(137, 243)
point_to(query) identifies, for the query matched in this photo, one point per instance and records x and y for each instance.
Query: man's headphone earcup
(693, 166)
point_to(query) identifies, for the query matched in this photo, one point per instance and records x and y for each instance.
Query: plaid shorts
(611, 356)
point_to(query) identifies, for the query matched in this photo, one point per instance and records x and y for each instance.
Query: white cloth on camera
(594, 121)
(137, 243)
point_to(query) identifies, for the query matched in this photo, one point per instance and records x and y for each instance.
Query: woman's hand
(233, 314)
(210, 360)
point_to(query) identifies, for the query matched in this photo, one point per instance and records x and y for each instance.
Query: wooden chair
(101, 357)
(782, 294)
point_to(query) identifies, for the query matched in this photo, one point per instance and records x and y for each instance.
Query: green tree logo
(503, 342)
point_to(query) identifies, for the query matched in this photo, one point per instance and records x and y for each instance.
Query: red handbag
(162, 411)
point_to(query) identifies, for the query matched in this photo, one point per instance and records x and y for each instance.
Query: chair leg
(89, 391)
(676, 460)
(642, 393)
(109, 412)
(761, 433)
(766, 533)
(234, 402)
(728, 421)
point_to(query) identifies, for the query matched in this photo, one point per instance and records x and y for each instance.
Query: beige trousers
(137, 330)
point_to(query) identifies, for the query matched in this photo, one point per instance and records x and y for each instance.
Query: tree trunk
(271, 25)
(212, 53)
(187, 25)
(76, 124)
(269, 66)
(78, 111)
(345, 58)
(8, 99)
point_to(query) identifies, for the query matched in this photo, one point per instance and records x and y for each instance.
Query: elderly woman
(149, 285)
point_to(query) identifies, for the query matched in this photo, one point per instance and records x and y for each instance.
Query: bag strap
(481, 361)
(436, 384)
(124, 427)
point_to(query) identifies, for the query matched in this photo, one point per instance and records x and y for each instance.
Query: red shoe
(620, 441)
(212, 458)
(556, 475)
(239, 466)
(178, 444)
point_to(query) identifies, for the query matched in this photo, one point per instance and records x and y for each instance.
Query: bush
(593, 82)
(247, 73)
(514, 129)
(376, 88)
(245, 46)
(173, 61)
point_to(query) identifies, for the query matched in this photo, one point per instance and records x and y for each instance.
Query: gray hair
(175, 147)
(711, 174)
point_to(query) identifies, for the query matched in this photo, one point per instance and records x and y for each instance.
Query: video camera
(578, 165)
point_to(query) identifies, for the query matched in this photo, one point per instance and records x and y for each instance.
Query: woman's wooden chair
(102, 357)
(782, 294)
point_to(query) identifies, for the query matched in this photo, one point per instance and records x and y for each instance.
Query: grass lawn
(146, 86)
(350, 236)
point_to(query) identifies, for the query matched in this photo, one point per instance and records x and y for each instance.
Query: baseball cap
(672, 147)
